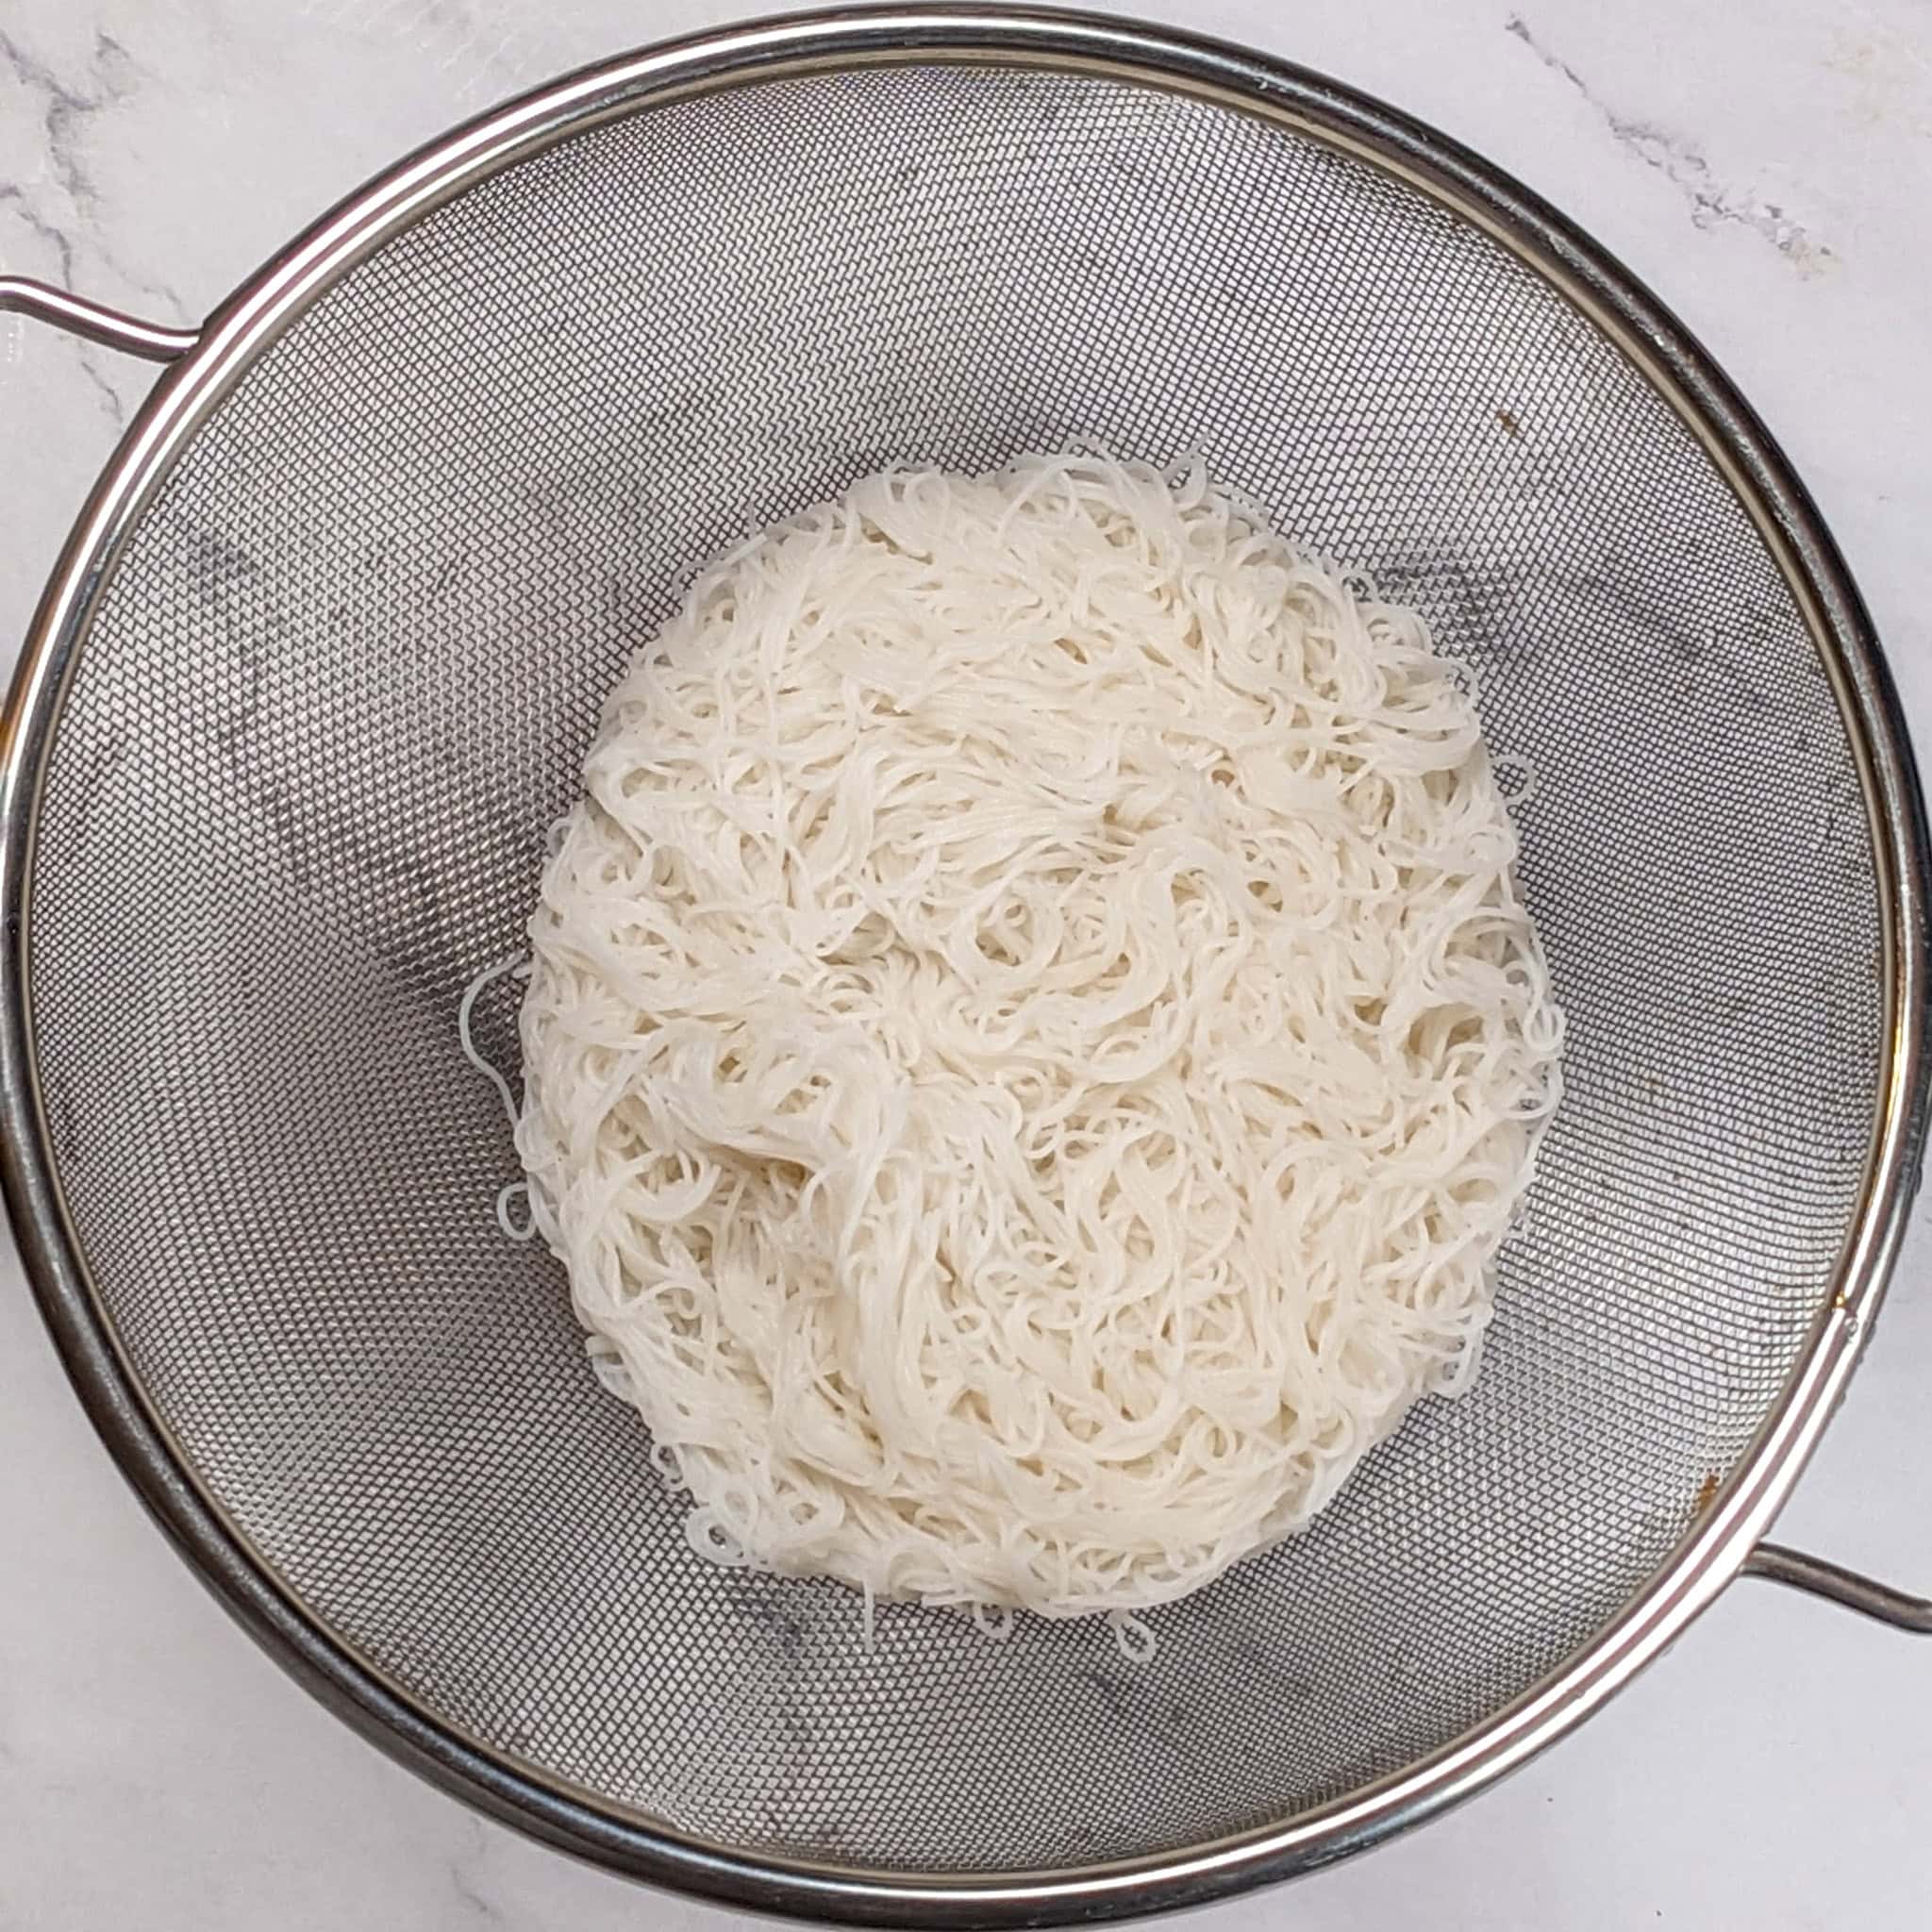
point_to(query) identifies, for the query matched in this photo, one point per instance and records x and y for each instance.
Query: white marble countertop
(1767, 167)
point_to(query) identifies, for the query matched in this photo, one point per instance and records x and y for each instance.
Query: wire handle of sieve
(78, 316)
(1839, 1585)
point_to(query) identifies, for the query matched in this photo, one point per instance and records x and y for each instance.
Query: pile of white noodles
(1032, 1044)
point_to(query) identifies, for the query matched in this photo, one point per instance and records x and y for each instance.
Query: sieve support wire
(94, 322)
(1837, 1584)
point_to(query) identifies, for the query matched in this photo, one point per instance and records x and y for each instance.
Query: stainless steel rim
(574, 1819)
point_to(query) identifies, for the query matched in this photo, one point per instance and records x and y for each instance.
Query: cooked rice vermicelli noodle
(1032, 1044)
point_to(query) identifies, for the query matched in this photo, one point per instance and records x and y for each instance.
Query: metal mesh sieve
(341, 673)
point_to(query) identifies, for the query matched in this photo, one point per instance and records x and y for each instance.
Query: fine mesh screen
(344, 677)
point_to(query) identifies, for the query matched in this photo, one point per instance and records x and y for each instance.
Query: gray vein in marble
(41, 228)
(462, 1877)
(65, 108)
(1683, 165)
(484, 57)
(85, 356)
(487, 1911)
(56, 241)
(91, 368)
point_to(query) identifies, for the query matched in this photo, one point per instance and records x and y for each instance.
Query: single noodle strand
(518, 966)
